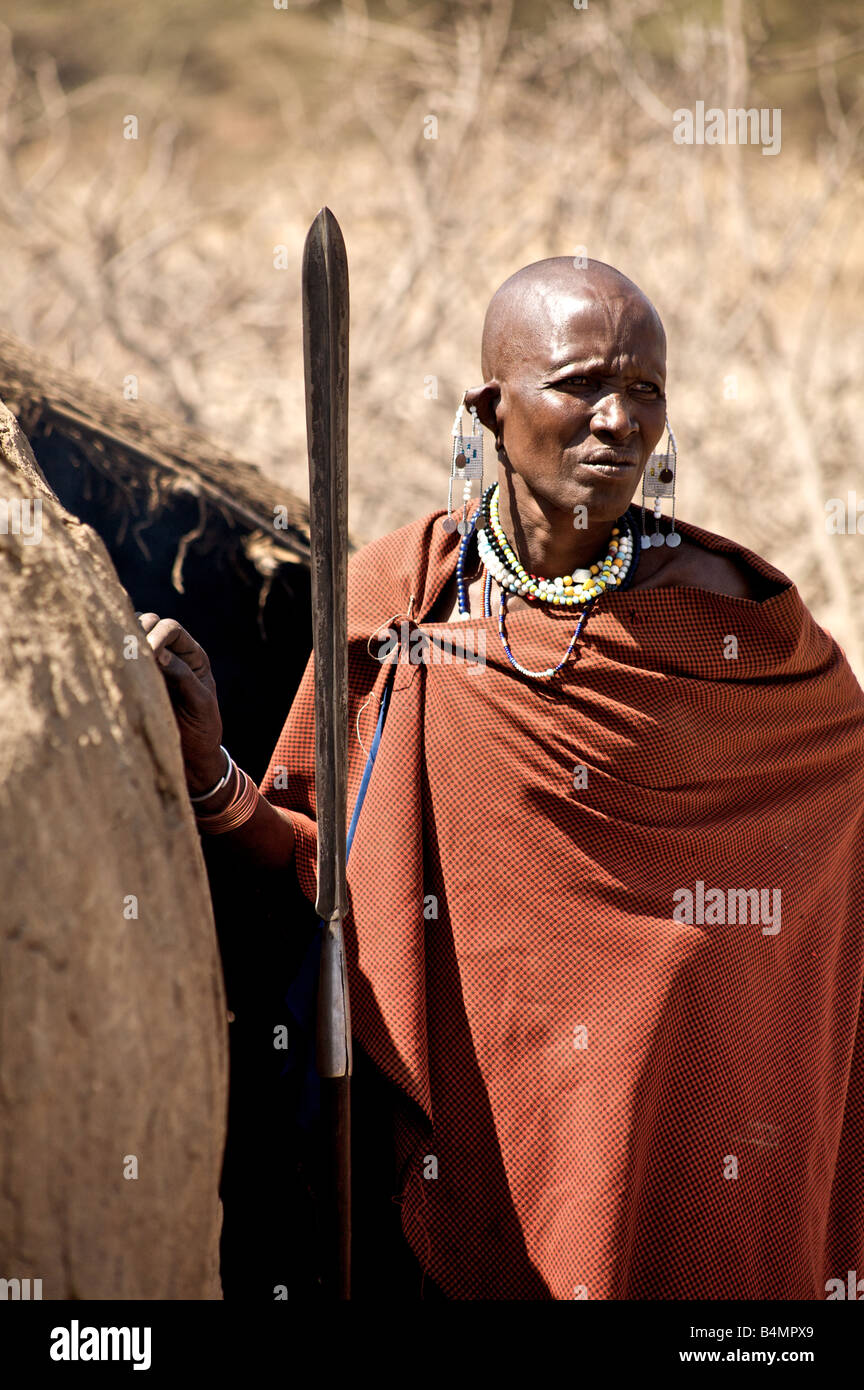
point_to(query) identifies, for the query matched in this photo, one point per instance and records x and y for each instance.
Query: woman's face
(580, 405)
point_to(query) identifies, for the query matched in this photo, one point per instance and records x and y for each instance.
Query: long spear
(325, 354)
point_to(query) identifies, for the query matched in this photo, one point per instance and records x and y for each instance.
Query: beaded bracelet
(239, 810)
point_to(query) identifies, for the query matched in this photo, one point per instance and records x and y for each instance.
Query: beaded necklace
(567, 590)
(581, 589)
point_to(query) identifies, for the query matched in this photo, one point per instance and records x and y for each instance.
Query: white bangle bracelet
(223, 781)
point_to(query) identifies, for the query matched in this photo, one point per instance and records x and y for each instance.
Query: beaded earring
(658, 481)
(466, 466)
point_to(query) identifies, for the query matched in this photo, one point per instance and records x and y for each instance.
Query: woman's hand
(267, 838)
(190, 683)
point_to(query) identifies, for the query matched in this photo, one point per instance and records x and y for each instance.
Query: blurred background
(455, 142)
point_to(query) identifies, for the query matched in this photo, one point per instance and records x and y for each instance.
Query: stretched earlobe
(484, 399)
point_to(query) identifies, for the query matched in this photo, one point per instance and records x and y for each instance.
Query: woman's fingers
(186, 668)
(175, 649)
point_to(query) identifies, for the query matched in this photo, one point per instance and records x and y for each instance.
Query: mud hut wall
(113, 1032)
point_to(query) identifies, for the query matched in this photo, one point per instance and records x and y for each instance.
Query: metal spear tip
(325, 242)
(324, 218)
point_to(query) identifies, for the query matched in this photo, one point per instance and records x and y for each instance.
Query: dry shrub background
(157, 256)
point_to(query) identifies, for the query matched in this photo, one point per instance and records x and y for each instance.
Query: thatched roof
(149, 457)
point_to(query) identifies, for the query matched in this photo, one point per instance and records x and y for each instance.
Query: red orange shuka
(607, 934)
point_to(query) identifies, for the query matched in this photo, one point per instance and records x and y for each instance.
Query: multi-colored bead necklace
(568, 590)
(580, 589)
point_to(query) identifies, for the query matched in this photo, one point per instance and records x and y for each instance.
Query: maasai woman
(606, 935)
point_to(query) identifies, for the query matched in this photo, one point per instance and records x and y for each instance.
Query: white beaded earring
(466, 465)
(658, 481)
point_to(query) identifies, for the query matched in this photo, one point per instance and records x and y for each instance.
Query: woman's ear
(485, 400)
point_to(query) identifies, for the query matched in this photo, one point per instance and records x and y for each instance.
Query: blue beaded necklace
(624, 523)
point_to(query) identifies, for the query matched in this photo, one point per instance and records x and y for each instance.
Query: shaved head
(574, 390)
(525, 313)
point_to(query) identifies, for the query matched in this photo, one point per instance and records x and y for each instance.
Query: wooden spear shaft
(325, 354)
